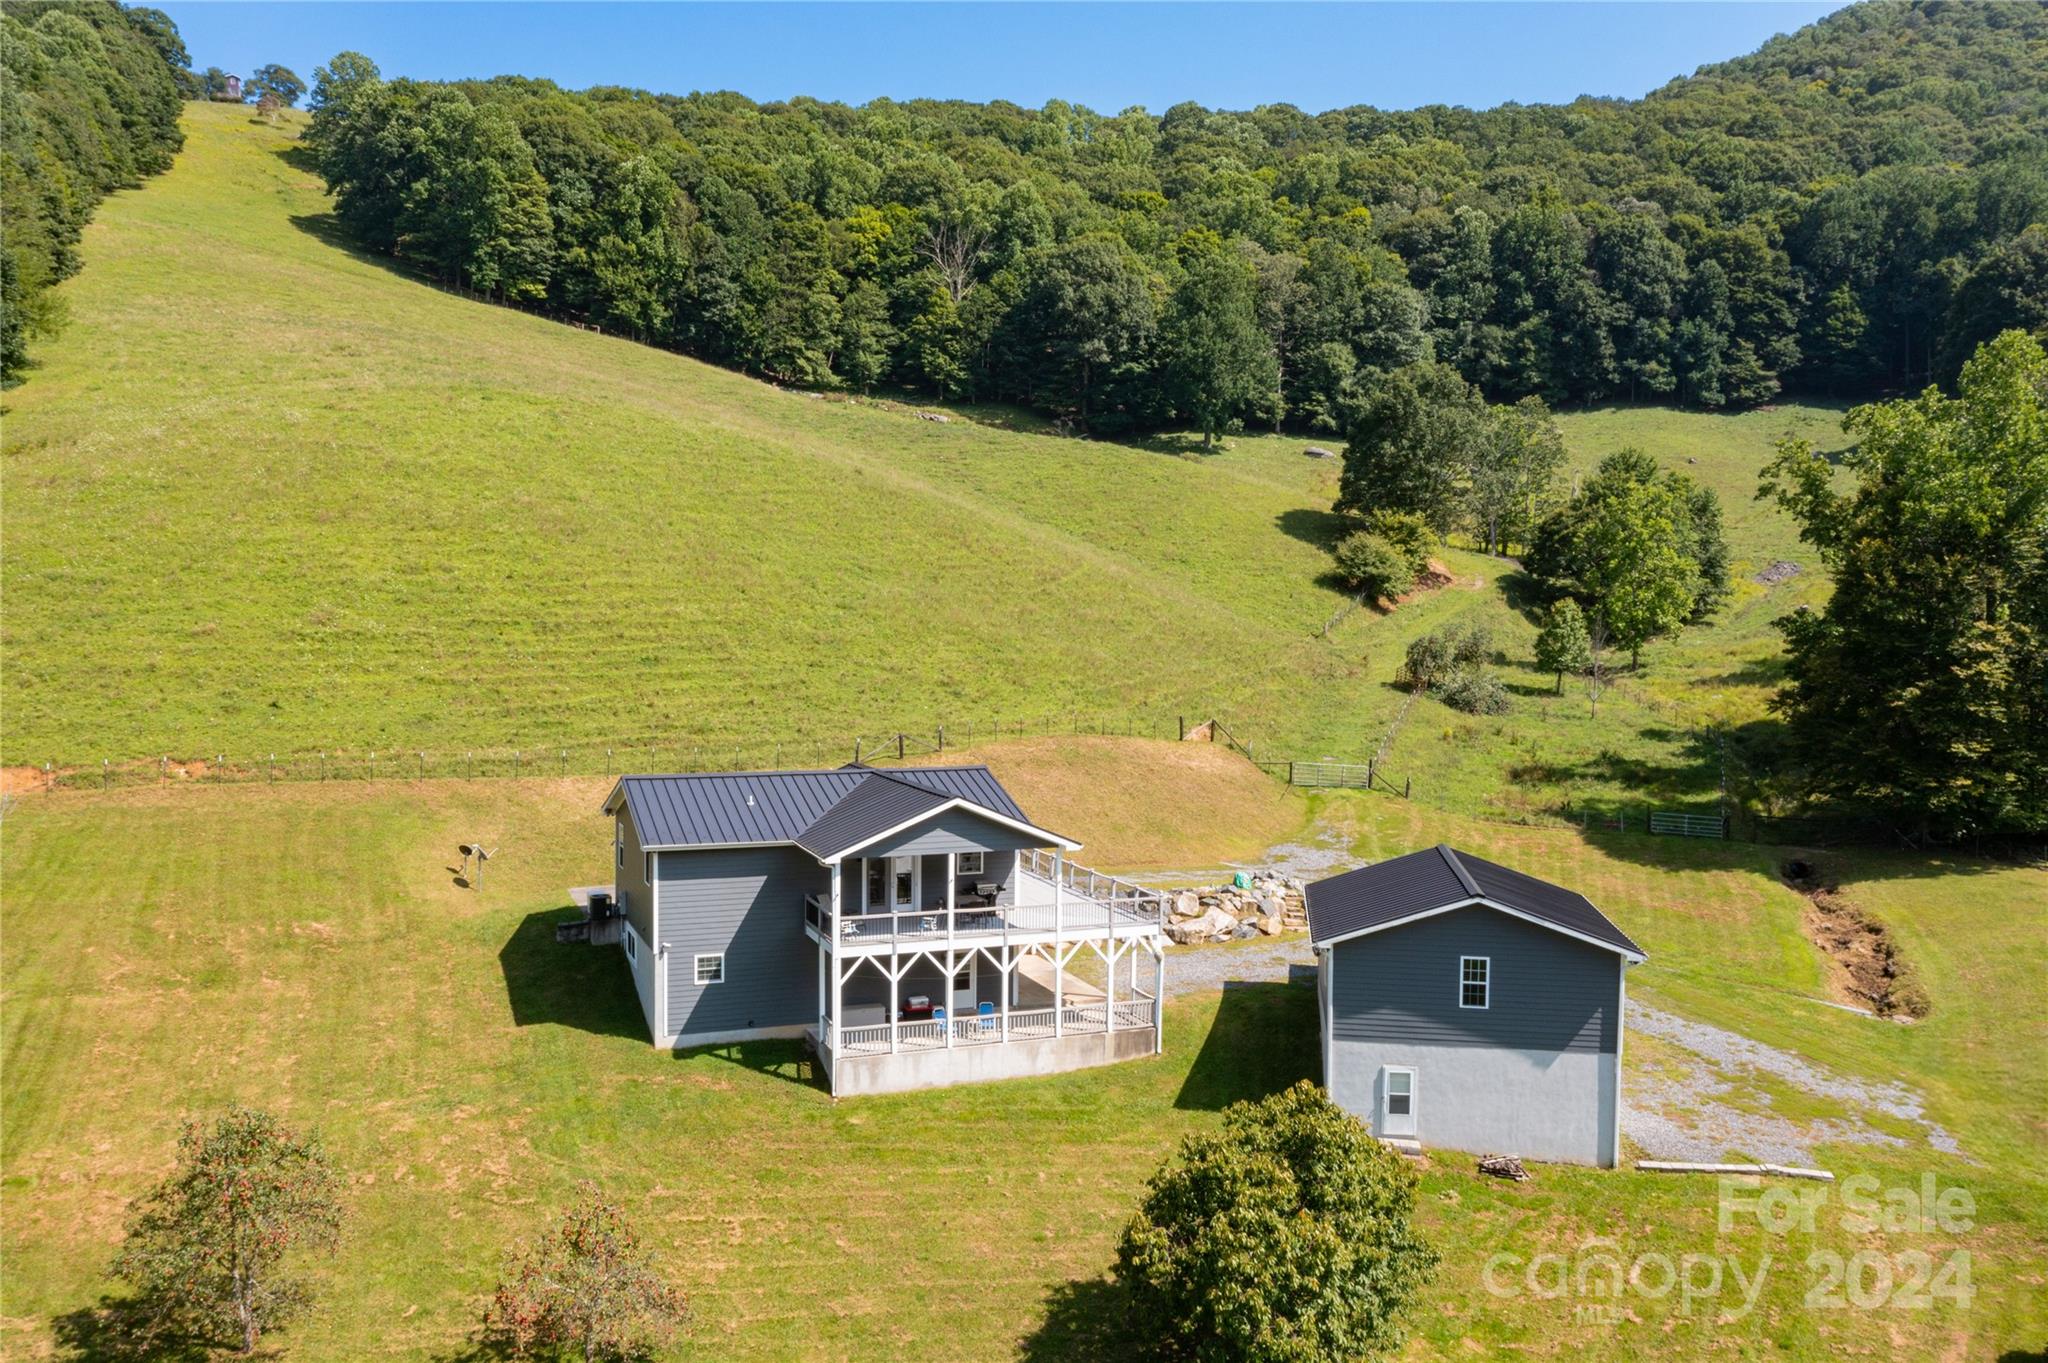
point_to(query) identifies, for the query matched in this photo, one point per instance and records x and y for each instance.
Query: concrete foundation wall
(978, 1064)
(1545, 1105)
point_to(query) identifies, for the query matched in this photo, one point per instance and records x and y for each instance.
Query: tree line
(90, 93)
(1852, 208)
(89, 100)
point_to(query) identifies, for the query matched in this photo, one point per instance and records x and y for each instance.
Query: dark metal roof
(871, 809)
(724, 809)
(1438, 878)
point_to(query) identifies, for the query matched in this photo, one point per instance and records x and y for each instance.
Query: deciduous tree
(1920, 691)
(210, 1251)
(1415, 434)
(1218, 359)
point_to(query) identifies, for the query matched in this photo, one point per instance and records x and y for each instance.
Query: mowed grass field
(305, 947)
(269, 496)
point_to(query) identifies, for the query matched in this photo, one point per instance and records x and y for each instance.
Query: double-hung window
(1475, 981)
(711, 969)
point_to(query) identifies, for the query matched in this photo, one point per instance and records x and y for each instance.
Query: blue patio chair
(986, 1015)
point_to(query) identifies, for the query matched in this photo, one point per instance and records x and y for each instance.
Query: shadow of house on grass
(787, 1059)
(1264, 1040)
(1087, 1318)
(567, 984)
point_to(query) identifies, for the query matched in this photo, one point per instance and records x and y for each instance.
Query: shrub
(1372, 566)
(585, 1289)
(1428, 661)
(1408, 532)
(1476, 693)
(1285, 1237)
(1470, 648)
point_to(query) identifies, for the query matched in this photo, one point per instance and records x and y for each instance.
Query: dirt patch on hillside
(25, 780)
(1865, 967)
(1140, 803)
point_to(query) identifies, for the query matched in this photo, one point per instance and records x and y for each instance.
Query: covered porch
(929, 1017)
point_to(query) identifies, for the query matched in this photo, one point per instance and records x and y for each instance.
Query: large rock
(1215, 925)
(1271, 926)
(1187, 904)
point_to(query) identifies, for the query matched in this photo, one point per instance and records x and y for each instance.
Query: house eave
(1629, 956)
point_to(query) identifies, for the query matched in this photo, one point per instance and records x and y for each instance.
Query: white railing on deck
(975, 1029)
(1073, 916)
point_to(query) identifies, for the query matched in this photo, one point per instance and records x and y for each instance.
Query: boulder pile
(1267, 907)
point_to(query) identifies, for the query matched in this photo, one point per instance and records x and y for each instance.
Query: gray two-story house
(1470, 1006)
(912, 922)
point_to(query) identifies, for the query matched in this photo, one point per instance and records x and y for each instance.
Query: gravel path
(1684, 1117)
(1191, 970)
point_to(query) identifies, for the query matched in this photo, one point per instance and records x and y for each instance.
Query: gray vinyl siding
(1549, 992)
(955, 830)
(629, 882)
(746, 902)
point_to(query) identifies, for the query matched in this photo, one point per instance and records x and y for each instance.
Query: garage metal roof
(1440, 877)
(729, 809)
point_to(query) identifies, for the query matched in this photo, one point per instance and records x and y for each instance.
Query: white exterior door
(964, 994)
(1397, 1101)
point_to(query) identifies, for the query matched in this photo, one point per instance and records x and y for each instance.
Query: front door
(965, 995)
(1397, 1102)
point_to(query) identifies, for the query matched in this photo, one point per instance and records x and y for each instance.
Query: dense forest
(1849, 210)
(89, 100)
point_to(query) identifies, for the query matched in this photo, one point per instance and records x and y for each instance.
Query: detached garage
(1469, 1006)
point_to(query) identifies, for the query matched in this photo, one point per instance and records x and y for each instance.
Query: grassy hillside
(305, 947)
(266, 495)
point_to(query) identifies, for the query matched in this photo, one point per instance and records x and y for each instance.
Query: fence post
(422, 754)
(106, 773)
(1408, 788)
(899, 747)
(942, 738)
(607, 761)
(1183, 728)
(1290, 771)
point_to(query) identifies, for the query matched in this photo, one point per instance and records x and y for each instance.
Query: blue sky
(1106, 56)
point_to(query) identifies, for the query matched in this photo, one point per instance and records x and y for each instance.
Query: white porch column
(824, 957)
(1158, 998)
(1109, 989)
(1009, 986)
(895, 970)
(1059, 892)
(952, 968)
(1059, 987)
(838, 993)
(835, 937)
(952, 888)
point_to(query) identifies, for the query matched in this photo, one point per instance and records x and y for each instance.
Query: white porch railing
(1044, 907)
(1032, 1024)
